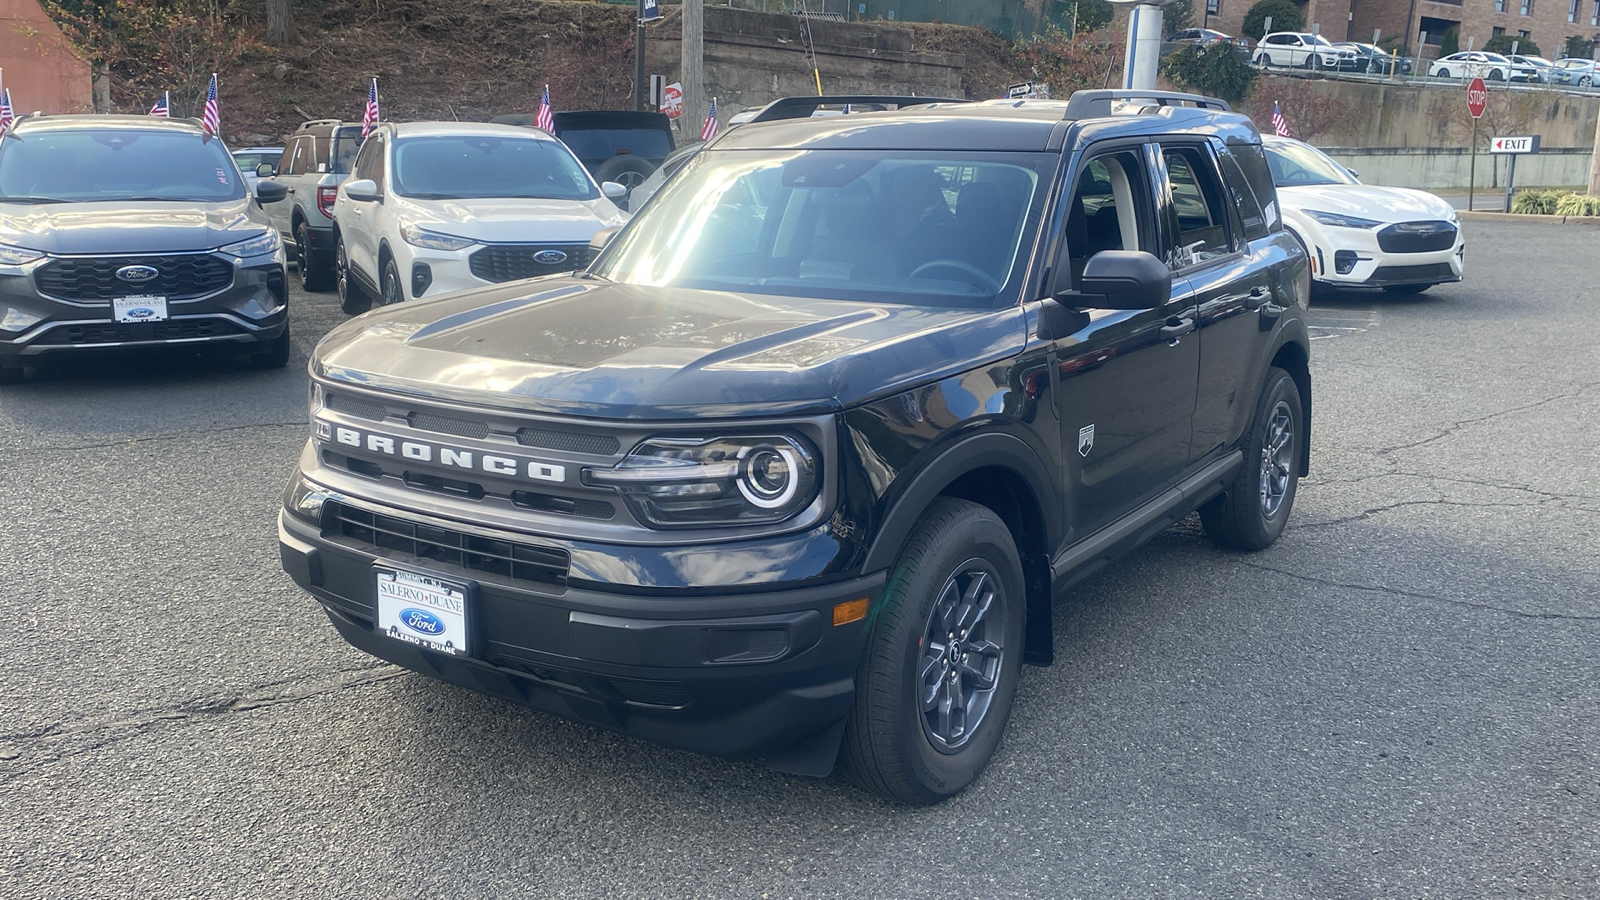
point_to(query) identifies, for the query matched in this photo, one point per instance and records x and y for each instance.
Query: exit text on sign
(1522, 144)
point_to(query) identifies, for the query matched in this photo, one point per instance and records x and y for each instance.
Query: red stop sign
(1477, 97)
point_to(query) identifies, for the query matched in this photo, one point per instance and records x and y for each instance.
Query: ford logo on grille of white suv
(549, 257)
(137, 273)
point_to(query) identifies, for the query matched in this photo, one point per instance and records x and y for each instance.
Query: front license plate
(139, 309)
(424, 610)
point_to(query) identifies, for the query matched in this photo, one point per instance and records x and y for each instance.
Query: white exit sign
(1522, 144)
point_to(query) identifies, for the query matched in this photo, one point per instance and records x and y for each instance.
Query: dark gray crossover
(796, 468)
(132, 231)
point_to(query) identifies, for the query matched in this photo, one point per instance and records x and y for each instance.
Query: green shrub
(1578, 205)
(1502, 43)
(1450, 44)
(1284, 13)
(1213, 69)
(1537, 202)
(1578, 46)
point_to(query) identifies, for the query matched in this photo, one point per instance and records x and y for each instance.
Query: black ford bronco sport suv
(797, 466)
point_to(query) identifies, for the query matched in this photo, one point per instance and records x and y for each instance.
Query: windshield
(115, 164)
(1295, 164)
(462, 167)
(347, 143)
(1317, 39)
(922, 228)
(1496, 58)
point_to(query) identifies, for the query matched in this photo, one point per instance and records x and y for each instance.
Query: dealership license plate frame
(447, 600)
(122, 309)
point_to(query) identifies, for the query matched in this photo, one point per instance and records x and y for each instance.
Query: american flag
(163, 107)
(709, 129)
(6, 118)
(370, 117)
(210, 119)
(1279, 125)
(546, 118)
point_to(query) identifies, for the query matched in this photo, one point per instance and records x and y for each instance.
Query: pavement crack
(1369, 513)
(151, 439)
(55, 741)
(1418, 595)
(1447, 432)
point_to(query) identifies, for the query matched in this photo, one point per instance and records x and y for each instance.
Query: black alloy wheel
(352, 299)
(1252, 512)
(393, 290)
(314, 276)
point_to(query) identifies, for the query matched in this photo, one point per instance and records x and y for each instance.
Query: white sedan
(1473, 64)
(1357, 235)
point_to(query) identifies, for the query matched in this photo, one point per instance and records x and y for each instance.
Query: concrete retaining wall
(1433, 169)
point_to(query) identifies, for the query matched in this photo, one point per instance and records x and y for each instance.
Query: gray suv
(316, 158)
(132, 231)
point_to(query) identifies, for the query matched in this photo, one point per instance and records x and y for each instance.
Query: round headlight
(767, 477)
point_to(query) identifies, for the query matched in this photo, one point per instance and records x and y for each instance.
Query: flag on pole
(210, 119)
(6, 117)
(1279, 124)
(163, 107)
(370, 117)
(546, 118)
(846, 109)
(709, 129)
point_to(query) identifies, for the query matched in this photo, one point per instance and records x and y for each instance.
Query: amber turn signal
(851, 611)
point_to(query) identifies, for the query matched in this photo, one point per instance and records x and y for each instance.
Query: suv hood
(582, 347)
(122, 227)
(1368, 201)
(501, 220)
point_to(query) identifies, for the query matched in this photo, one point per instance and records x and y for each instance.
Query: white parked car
(1574, 71)
(1296, 50)
(436, 207)
(1472, 64)
(1357, 235)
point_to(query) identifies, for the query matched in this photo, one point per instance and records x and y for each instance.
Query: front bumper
(1351, 257)
(738, 673)
(251, 308)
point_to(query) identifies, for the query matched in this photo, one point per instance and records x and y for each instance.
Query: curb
(1484, 216)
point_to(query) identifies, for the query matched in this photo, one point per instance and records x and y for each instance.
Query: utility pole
(694, 85)
(638, 61)
(1594, 164)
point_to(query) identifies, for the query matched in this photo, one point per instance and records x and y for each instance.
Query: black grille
(669, 694)
(509, 262)
(178, 277)
(355, 406)
(1414, 274)
(568, 441)
(565, 506)
(446, 425)
(119, 333)
(1417, 237)
(508, 559)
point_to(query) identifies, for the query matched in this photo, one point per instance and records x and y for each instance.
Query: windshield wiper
(5, 199)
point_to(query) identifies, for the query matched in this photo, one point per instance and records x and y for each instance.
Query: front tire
(1443, 73)
(393, 289)
(1251, 514)
(936, 682)
(276, 355)
(352, 299)
(1494, 75)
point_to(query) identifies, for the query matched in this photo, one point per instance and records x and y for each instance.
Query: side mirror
(603, 237)
(265, 170)
(270, 191)
(613, 191)
(362, 189)
(1353, 172)
(1121, 279)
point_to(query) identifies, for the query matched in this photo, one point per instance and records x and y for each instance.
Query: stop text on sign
(1477, 97)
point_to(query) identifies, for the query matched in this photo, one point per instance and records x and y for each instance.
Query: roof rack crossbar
(1091, 104)
(803, 107)
(309, 123)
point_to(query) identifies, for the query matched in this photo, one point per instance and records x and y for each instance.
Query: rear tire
(1443, 73)
(1251, 514)
(1494, 75)
(352, 299)
(954, 606)
(315, 274)
(1585, 81)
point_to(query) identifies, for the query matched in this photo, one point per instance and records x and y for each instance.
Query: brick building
(1547, 22)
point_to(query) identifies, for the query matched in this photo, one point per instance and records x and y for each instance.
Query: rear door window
(1198, 213)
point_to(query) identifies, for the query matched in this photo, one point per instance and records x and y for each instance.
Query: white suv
(1295, 49)
(436, 207)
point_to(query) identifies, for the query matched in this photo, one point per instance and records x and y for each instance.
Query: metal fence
(1008, 18)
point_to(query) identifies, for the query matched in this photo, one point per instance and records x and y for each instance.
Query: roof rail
(803, 107)
(1090, 104)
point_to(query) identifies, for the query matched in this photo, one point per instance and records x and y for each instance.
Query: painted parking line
(1331, 323)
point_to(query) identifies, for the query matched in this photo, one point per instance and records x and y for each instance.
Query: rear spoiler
(803, 107)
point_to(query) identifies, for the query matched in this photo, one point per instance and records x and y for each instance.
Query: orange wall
(37, 62)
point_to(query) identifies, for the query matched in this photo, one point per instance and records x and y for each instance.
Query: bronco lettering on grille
(438, 454)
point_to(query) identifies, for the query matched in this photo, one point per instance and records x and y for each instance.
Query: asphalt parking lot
(1398, 699)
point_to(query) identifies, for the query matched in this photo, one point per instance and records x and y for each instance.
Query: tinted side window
(1198, 207)
(1250, 214)
(1252, 162)
(285, 162)
(369, 162)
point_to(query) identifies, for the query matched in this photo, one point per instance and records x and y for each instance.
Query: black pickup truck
(796, 468)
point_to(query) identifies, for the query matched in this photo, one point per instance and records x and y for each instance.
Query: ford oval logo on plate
(137, 274)
(549, 257)
(421, 621)
(141, 312)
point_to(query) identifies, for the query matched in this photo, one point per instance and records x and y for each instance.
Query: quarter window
(1198, 209)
